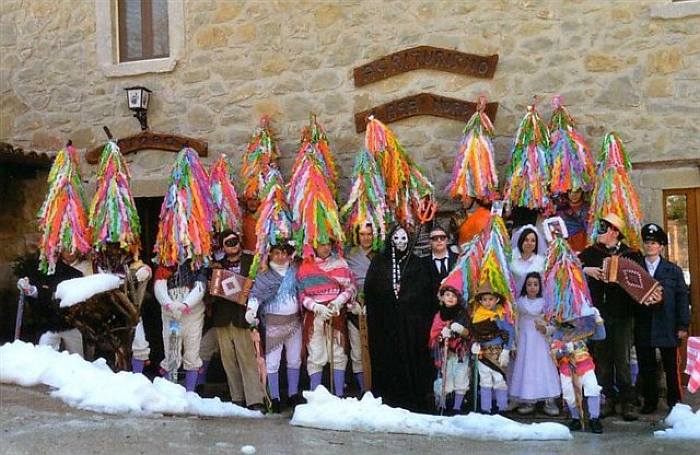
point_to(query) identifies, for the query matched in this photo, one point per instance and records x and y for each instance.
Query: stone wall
(617, 67)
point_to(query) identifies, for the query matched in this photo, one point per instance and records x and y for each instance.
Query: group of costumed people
(325, 284)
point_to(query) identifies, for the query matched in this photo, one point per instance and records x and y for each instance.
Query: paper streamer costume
(261, 152)
(227, 212)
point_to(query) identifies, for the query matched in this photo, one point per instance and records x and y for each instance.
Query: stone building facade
(628, 66)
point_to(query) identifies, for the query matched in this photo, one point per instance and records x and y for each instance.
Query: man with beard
(398, 297)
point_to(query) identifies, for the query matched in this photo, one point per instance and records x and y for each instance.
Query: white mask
(400, 239)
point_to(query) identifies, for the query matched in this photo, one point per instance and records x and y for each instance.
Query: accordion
(631, 277)
(228, 285)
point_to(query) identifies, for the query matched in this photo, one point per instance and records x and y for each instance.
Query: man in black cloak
(398, 298)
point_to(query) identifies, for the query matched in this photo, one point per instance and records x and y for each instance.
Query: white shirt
(651, 266)
(438, 262)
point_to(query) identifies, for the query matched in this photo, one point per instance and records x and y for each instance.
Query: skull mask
(400, 239)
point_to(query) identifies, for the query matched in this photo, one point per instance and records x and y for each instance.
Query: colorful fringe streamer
(113, 214)
(367, 201)
(572, 162)
(315, 217)
(405, 184)
(528, 176)
(274, 224)
(315, 141)
(261, 152)
(474, 173)
(614, 192)
(565, 287)
(465, 274)
(62, 218)
(227, 212)
(186, 216)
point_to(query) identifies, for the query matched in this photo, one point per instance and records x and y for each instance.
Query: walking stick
(475, 378)
(20, 314)
(174, 350)
(329, 325)
(262, 368)
(578, 393)
(364, 343)
(443, 373)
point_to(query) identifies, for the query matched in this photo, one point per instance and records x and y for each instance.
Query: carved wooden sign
(150, 140)
(426, 57)
(422, 104)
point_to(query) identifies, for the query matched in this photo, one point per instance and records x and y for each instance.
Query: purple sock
(459, 398)
(502, 399)
(273, 382)
(202, 377)
(486, 399)
(594, 406)
(339, 382)
(137, 365)
(315, 380)
(292, 381)
(634, 369)
(360, 378)
(573, 411)
(191, 380)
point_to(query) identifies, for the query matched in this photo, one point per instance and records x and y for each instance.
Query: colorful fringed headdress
(186, 216)
(274, 224)
(367, 201)
(614, 192)
(113, 215)
(315, 141)
(572, 162)
(315, 217)
(62, 218)
(565, 290)
(227, 212)
(261, 152)
(474, 173)
(528, 174)
(406, 186)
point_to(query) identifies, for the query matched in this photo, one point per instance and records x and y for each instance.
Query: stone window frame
(676, 9)
(106, 26)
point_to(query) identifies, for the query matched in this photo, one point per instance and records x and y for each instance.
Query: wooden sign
(150, 140)
(426, 57)
(422, 104)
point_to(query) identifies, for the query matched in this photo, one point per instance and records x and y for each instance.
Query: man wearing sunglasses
(612, 355)
(439, 263)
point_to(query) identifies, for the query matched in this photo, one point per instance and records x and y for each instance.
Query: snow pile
(685, 424)
(95, 387)
(77, 290)
(326, 411)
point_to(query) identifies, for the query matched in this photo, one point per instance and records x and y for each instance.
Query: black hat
(654, 233)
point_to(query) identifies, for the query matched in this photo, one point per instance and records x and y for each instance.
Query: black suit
(429, 266)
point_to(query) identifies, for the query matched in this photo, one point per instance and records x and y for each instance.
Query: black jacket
(46, 310)
(435, 277)
(657, 325)
(225, 312)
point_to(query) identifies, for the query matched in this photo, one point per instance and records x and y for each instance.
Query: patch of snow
(248, 450)
(95, 387)
(326, 411)
(685, 424)
(78, 290)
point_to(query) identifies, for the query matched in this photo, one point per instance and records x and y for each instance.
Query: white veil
(541, 242)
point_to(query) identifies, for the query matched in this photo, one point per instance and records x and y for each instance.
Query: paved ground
(31, 422)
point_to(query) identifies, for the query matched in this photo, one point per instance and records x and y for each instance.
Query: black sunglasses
(603, 227)
(438, 237)
(231, 242)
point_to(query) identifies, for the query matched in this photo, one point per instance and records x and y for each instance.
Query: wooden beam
(156, 141)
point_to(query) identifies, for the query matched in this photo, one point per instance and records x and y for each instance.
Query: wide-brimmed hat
(614, 220)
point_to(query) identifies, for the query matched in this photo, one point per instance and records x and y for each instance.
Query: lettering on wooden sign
(426, 57)
(155, 141)
(422, 104)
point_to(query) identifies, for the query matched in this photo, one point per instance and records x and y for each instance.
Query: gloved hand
(174, 309)
(504, 358)
(143, 274)
(476, 348)
(598, 318)
(26, 287)
(336, 304)
(446, 332)
(252, 311)
(457, 328)
(355, 308)
(322, 311)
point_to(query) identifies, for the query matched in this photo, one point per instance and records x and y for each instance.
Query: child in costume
(493, 336)
(534, 375)
(450, 326)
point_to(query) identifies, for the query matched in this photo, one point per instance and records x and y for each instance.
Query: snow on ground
(685, 424)
(326, 411)
(77, 290)
(95, 387)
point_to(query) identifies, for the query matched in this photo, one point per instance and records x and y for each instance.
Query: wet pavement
(31, 422)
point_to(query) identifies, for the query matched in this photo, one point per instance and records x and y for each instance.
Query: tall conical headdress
(474, 173)
(113, 214)
(261, 152)
(227, 212)
(565, 291)
(614, 192)
(62, 218)
(186, 216)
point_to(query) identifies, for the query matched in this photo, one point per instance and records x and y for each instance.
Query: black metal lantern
(138, 98)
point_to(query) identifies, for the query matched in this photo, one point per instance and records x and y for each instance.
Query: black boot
(275, 406)
(294, 400)
(648, 408)
(596, 426)
(575, 425)
(627, 414)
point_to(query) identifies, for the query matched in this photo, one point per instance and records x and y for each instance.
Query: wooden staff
(364, 344)
(443, 373)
